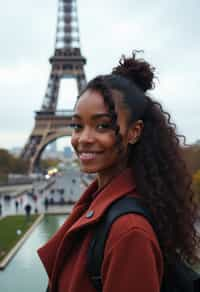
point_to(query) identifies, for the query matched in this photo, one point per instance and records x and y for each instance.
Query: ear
(135, 131)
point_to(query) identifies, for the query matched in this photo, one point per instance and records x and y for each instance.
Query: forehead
(91, 100)
(92, 103)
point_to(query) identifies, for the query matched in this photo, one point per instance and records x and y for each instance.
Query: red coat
(132, 259)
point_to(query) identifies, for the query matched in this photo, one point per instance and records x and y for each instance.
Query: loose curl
(160, 172)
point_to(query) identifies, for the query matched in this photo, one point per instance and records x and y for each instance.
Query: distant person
(46, 204)
(62, 200)
(51, 201)
(128, 139)
(0, 209)
(35, 198)
(16, 205)
(27, 209)
(7, 198)
(74, 180)
(62, 191)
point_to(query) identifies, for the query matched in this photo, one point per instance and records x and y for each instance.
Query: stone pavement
(14, 190)
(67, 186)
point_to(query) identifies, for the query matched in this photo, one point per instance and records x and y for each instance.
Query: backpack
(177, 278)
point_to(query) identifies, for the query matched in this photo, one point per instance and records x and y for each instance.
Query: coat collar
(53, 251)
(118, 187)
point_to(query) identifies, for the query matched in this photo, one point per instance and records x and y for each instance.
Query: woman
(127, 139)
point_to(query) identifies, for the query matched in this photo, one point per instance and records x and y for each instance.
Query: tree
(11, 164)
(196, 185)
(192, 157)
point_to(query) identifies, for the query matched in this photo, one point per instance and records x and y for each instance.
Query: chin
(85, 170)
(88, 169)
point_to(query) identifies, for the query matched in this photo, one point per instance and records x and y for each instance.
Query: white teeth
(87, 155)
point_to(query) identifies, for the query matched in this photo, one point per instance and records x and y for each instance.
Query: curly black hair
(160, 172)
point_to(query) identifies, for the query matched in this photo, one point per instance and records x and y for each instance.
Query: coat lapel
(48, 252)
(118, 187)
(53, 253)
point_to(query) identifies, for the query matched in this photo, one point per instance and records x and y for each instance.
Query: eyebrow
(95, 116)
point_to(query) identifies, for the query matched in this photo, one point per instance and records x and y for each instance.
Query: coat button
(89, 214)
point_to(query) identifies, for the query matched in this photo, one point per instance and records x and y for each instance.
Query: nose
(86, 135)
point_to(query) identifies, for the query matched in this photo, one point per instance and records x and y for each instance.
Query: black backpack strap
(124, 205)
(177, 278)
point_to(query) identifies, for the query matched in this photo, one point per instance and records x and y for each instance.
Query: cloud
(11, 138)
(21, 73)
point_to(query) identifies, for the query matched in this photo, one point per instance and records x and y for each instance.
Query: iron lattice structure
(67, 62)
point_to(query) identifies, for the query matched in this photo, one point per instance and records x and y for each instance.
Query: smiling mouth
(88, 155)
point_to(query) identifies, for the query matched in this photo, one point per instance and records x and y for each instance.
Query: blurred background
(168, 33)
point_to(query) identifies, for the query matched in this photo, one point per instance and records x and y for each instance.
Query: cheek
(109, 142)
(104, 141)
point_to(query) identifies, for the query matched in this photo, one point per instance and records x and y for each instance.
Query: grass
(12, 228)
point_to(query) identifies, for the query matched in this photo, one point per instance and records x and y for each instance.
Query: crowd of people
(37, 201)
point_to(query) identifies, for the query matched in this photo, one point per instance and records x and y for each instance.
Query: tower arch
(67, 61)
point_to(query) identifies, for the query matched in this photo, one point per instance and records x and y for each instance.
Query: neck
(106, 176)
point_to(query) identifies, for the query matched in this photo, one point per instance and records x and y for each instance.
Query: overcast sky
(167, 31)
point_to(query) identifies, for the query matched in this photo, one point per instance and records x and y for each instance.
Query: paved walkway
(14, 190)
(66, 187)
(13, 199)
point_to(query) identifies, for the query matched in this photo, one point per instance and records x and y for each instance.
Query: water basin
(25, 272)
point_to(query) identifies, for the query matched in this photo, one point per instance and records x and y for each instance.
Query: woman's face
(93, 138)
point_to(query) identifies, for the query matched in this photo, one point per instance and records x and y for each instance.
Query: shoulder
(132, 249)
(133, 227)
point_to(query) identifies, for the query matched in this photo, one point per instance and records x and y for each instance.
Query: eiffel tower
(67, 62)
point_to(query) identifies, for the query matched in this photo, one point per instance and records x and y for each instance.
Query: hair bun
(137, 70)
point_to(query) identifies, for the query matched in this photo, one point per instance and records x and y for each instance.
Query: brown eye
(103, 126)
(76, 126)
